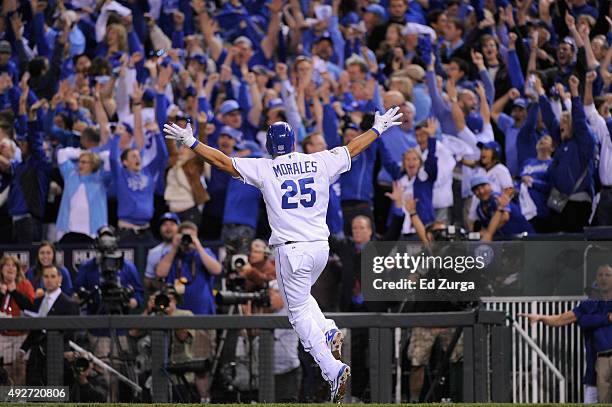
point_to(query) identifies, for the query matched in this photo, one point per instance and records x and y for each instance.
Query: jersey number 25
(292, 190)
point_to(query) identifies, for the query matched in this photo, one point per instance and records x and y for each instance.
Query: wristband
(195, 144)
(376, 131)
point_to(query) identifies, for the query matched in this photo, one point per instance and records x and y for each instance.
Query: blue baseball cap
(474, 122)
(478, 180)
(520, 102)
(148, 95)
(275, 103)
(490, 145)
(230, 131)
(170, 216)
(351, 126)
(200, 58)
(378, 10)
(229, 106)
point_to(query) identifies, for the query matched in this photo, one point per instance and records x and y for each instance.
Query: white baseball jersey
(295, 188)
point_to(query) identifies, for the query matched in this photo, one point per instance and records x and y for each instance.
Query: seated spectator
(15, 289)
(46, 257)
(83, 209)
(497, 214)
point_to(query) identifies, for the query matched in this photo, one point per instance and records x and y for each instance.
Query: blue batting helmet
(280, 139)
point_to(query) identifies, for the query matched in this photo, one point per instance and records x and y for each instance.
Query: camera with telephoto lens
(114, 296)
(162, 299)
(236, 293)
(259, 298)
(80, 364)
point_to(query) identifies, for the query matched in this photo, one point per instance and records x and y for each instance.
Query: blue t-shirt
(242, 204)
(515, 225)
(198, 297)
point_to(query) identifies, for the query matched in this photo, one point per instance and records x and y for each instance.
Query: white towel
(528, 207)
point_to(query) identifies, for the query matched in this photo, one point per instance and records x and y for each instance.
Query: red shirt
(9, 305)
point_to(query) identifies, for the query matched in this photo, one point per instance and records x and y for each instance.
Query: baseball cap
(249, 145)
(490, 145)
(5, 47)
(378, 10)
(520, 102)
(148, 95)
(275, 103)
(229, 106)
(323, 37)
(570, 41)
(170, 216)
(352, 126)
(243, 40)
(350, 18)
(478, 180)
(21, 137)
(262, 70)
(200, 58)
(229, 131)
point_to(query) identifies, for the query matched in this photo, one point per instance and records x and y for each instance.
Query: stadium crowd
(506, 130)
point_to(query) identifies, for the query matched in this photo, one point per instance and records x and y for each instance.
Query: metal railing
(547, 362)
(486, 360)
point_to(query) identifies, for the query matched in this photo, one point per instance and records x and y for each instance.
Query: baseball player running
(295, 188)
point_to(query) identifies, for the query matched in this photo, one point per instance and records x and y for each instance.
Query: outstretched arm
(210, 155)
(381, 123)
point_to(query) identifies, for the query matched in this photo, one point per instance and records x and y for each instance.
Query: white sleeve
(505, 179)
(67, 153)
(598, 124)
(249, 170)
(336, 160)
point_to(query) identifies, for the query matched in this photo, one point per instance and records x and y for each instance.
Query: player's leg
(321, 257)
(293, 265)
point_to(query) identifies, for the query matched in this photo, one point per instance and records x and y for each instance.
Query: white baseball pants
(298, 265)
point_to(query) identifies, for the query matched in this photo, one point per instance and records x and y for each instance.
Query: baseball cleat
(338, 385)
(334, 338)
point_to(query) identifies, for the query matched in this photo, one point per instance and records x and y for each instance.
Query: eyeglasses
(84, 162)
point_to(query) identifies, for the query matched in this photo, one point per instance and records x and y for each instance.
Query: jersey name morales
(300, 167)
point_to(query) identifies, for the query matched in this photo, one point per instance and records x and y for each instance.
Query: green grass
(304, 405)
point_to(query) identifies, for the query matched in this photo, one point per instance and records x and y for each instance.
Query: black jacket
(62, 306)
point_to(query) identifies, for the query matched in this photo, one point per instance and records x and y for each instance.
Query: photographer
(108, 263)
(108, 284)
(189, 261)
(89, 385)
(259, 269)
(168, 228)
(422, 340)
(164, 302)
